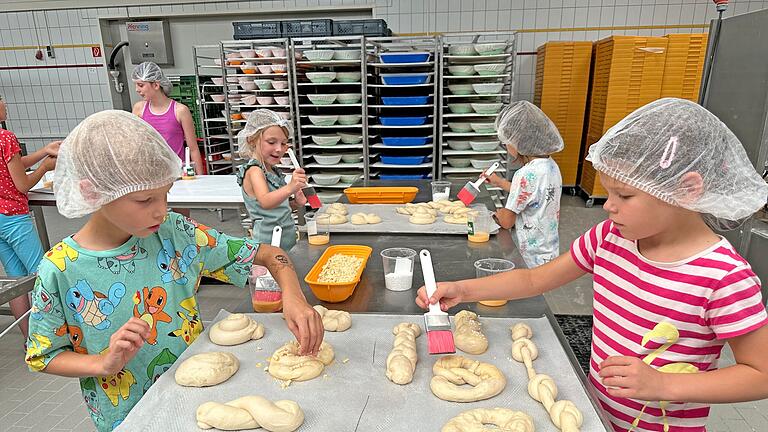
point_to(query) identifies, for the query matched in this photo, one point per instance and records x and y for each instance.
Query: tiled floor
(41, 402)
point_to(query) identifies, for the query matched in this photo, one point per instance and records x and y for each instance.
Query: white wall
(49, 102)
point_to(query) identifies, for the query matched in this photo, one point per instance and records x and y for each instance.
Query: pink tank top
(168, 127)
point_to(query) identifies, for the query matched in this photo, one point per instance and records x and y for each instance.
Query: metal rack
(457, 109)
(402, 92)
(216, 143)
(251, 70)
(316, 122)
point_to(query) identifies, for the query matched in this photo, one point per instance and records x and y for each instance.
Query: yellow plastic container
(336, 292)
(381, 195)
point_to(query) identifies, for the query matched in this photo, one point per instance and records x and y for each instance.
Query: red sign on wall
(96, 51)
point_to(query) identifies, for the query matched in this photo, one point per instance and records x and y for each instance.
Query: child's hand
(630, 377)
(305, 323)
(52, 149)
(123, 345)
(449, 294)
(298, 180)
(495, 180)
(49, 163)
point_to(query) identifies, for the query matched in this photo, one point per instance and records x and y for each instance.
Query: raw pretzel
(422, 219)
(365, 219)
(452, 371)
(334, 320)
(503, 418)
(331, 219)
(541, 387)
(235, 329)
(287, 364)
(401, 361)
(337, 209)
(469, 336)
(250, 412)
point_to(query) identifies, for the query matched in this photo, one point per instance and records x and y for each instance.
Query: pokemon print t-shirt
(81, 297)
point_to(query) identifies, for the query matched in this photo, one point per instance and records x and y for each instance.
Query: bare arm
(506, 218)
(747, 380)
(72, 364)
(51, 149)
(255, 185)
(21, 180)
(188, 125)
(138, 108)
(303, 321)
(511, 285)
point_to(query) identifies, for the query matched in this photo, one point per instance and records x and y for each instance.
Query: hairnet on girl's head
(151, 72)
(258, 121)
(110, 154)
(653, 148)
(524, 126)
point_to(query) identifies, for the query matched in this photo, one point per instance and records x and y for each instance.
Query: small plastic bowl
(460, 108)
(329, 159)
(323, 120)
(248, 85)
(322, 99)
(326, 140)
(263, 84)
(218, 97)
(318, 55)
(459, 145)
(265, 69)
(279, 84)
(282, 100)
(265, 100)
(349, 98)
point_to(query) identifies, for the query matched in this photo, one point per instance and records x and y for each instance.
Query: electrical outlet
(49, 50)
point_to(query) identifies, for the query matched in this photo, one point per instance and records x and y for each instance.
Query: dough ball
(206, 369)
(337, 209)
(422, 219)
(235, 329)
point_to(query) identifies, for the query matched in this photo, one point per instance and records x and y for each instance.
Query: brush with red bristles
(437, 323)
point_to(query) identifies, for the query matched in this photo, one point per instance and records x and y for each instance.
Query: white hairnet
(259, 120)
(526, 127)
(151, 72)
(110, 154)
(653, 148)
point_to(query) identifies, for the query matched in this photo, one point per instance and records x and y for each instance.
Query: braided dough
(452, 371)
(287, 364)
(469, 335)
(206, 369)
(334, 320)
(337, 209)
(503, 418)
(542, 387)
(401, 361)
(411, 209)
(250, 412)
(365, 219)
(331, 219)
(235, 329)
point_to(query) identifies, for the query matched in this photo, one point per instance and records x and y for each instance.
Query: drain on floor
(578, 332)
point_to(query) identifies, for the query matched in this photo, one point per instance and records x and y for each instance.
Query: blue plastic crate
(403, 160)
(405, 100)
(405, 79)
(404, 57)
(405, 141)
(402, 176)
(403, 121)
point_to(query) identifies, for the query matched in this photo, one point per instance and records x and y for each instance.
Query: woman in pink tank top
(171, 119)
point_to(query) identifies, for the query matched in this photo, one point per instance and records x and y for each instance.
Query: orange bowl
(236, 116)
(334, 292)
(235, 62)
(249, 71)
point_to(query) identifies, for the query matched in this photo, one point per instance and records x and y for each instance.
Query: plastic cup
(441, 190)
(318, 233)
(491, 266)
(479, 224)
(266, 295)
(188, 172)
(398, 268)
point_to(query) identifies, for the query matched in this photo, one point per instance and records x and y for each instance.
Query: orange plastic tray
(336, 292)
(381, 195)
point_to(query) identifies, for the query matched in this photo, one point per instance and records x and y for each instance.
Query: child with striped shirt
(669, 292)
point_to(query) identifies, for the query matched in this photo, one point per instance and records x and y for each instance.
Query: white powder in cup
(398, 281)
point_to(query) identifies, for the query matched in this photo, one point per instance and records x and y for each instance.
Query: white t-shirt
(535, 197)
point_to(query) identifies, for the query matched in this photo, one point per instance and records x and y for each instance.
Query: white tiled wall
(47, 103)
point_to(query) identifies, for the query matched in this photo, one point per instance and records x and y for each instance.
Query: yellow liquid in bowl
(479, 237)
(493, 302)
(318, 240)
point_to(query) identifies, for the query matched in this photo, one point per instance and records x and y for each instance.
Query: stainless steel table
(12, 287)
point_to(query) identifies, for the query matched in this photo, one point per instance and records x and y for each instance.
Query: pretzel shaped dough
(504, 419)
(365, 219)
(287, 364)
(235, 329)
(453, 371)
(334, 320)
(250, 412)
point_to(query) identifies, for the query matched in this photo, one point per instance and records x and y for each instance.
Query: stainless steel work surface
(353, 393)
(394, 223)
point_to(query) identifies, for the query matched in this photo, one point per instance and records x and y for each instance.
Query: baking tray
(353, 393)
(394, 223)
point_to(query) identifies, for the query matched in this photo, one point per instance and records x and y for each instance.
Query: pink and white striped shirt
(675, 316)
